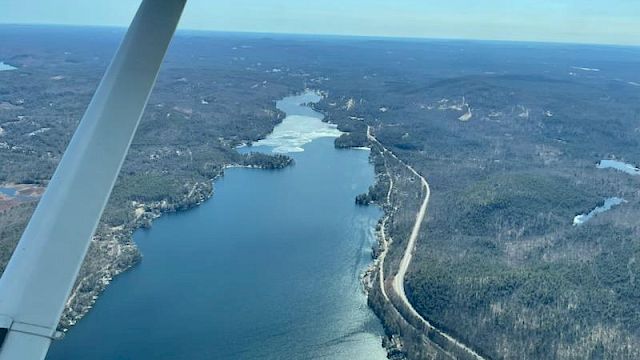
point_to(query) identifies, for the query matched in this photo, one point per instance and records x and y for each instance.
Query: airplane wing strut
(42, 271)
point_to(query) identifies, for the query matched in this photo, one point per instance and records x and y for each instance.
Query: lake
(269, 268)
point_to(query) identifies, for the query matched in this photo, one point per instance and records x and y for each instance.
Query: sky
(580, 21)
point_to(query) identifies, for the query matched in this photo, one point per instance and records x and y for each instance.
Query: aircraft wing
(41, 273)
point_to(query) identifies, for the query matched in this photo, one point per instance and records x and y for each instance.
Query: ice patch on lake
(296, 131)
(301, 126)
(608, 204)
(6, 67)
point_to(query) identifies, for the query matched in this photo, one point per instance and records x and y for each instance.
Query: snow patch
(39, 131)
(351, 103)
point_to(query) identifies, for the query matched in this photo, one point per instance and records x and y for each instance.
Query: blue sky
(590, 21)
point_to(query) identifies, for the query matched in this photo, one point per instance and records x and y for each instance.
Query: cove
(268, 268)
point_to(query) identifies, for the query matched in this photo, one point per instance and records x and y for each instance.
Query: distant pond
(618, 165)
(609, 203)
(11, 192)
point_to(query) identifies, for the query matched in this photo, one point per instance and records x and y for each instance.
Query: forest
(507, 135)
(508, 140)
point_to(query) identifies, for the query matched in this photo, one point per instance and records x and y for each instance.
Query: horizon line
(333, 35)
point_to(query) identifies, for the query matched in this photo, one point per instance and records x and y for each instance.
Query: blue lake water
(269, 268)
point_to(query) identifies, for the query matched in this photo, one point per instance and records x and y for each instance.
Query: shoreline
(118, 242)
(122, 252)
(399, 322)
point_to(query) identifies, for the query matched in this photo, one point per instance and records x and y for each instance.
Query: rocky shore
(113, 251)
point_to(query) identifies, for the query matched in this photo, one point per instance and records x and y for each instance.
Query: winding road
(398, 280)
